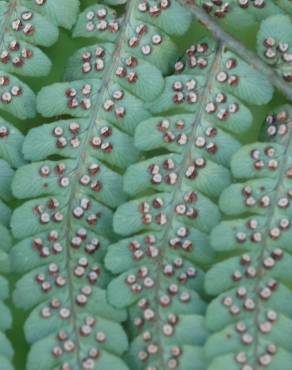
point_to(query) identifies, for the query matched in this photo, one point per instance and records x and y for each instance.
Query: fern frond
(10, 144)
(274, 36)
(251, 317)
(10, 158)
(160, 263)
(274, 43)
(244, 13)
(6, 351)
(65, 229)
(23, 24)
(62, 13)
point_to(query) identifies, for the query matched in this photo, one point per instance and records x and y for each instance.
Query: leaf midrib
(75, 188)
(12, 4)
(187, 159)
(261, 272)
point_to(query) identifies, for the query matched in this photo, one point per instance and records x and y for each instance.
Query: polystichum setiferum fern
(251, 316)
(160, 263)
(65, 233)
(25, 23)
(244, 13)
(6, 351)
(124, 130)
(274, 43)
(10, 158)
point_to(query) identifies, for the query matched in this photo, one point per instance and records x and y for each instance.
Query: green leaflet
(172, 18)
(274, 37)
(251, 317)
(62, 13)
(161, 262)
(237, 14)
(64, 226)
(6, 351)
(10, 158)
(6, 174)
(274, 44)
(24, 23)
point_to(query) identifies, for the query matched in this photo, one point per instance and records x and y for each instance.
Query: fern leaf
(274, 43)
(65, 225)
(244, 13)
(10, 158)
(161, 262)
(23, 24)
(62, 13)
(16, 97)
(250, 317)
(6, 174)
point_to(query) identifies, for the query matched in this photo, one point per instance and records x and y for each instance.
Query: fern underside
(143, 233)
(254, 293)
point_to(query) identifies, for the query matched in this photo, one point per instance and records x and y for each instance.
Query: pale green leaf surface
(10, 144)
(17, 98)
(5, 241)
(62, 13)
(188, 149)
(87, 91)
(174, 19)
(274, 44)
(65, 222)
(6, 174)
(26, 219)
(24, 24)
(5, 213)
(67, 143)
(40, 358)
(235, 15)
(50, 183)
(36, 63)
(250, 313)
(21, 26)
